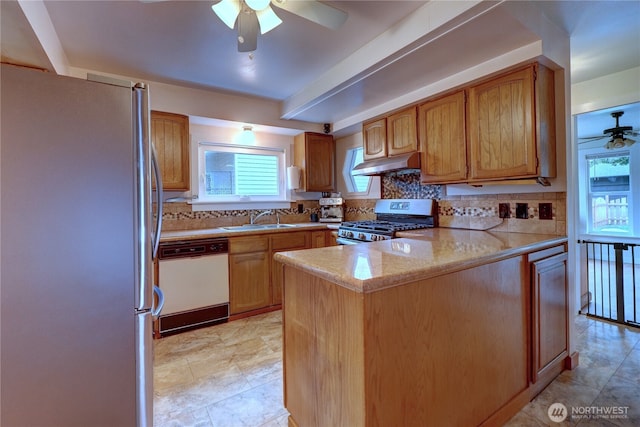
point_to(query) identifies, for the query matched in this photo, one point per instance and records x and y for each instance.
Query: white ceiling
(319, 75)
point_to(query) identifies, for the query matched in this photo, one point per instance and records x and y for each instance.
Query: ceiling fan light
(227, 11)
(257, 4)
(268, 20)
(629, 142)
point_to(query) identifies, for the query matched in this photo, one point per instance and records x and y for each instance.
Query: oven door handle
(345, 241)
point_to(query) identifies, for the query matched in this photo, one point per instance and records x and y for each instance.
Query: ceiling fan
(257, 15)
(618, 134)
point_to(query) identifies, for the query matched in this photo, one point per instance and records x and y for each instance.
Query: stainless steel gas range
(392, 215)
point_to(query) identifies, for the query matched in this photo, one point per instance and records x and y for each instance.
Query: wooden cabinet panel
(550, 316)
(249, 272)
(243, 245)
(314, 154)
(170, 136)
(441, 130)
(292, 240)
(284, 242)
(248, 281)
(374, 135)
(401, 132)
(502, 139)
(318, 239)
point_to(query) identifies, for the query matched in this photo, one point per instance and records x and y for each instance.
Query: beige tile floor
(231, 375)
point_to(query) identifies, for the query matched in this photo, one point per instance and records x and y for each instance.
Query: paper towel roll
(293, 177)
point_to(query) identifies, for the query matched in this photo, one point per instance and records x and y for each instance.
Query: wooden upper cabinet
(401, 132)
(374, 134)
(170, 136)
(441, 135)
(315, 155)
(504, 116)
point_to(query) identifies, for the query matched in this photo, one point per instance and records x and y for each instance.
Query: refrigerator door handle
(159, 302)
(159, 196)
(142, 131)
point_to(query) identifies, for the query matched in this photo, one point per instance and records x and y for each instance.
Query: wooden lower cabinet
(323, 238)
(255, 280)
(284, 242)
(448, 350)
(550, 317)
(249, 270)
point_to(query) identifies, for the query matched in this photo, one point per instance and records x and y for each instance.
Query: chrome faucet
(254, 219)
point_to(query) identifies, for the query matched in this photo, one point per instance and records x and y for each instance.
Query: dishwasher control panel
(192, 248)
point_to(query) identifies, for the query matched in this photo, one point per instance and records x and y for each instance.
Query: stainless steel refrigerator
(77, 241)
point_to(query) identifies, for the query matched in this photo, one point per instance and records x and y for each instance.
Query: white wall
(604, 92)
(609, 91)
(214, 104)
(342, 145)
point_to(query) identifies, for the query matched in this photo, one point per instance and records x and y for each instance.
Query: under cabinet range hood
(388, 164)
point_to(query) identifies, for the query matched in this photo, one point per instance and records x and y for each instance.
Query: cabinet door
(318, 239)
(401, 132)
(441, 130)
(501, 127)
(320, 171)
(284, 242)
(550, 317)
(248, 281)
(170, 136)
(374, 136)
(314, 154)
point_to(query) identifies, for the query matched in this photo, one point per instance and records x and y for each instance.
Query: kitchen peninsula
(441, 327)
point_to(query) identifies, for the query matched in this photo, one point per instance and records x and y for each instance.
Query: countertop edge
(379, 283)
(207, 233)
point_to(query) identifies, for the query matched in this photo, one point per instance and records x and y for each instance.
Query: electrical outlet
(504, 210)
(545, 211)
(300, 208)
(522, 210)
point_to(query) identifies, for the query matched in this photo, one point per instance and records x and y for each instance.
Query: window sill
(197, 206)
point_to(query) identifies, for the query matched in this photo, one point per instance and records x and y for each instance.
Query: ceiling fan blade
(314, 11)
(227, 11)
(247, 32)
(593, 138)
(268, 19)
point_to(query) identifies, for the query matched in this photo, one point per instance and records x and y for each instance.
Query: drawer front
(295, 240)
(241, 245)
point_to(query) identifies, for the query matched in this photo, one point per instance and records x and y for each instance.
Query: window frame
(349, 164)
(201, 203)
(585, 192)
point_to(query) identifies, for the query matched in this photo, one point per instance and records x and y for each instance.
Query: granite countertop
(205, 233)
(419, 254)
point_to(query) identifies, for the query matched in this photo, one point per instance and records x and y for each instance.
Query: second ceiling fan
(257, 15)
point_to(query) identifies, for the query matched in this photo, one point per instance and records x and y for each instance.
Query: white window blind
(230, 173)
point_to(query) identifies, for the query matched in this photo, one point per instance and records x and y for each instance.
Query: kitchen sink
(257, 227)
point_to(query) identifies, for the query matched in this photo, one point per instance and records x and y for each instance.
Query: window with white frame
(609, 192)
(232, 173)
(608, 189)
(355, 183)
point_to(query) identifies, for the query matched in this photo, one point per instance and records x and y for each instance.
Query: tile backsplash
(483, 211)
(480, 212)
(179, 216)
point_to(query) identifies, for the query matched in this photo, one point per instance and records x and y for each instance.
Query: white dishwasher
(194, 276)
